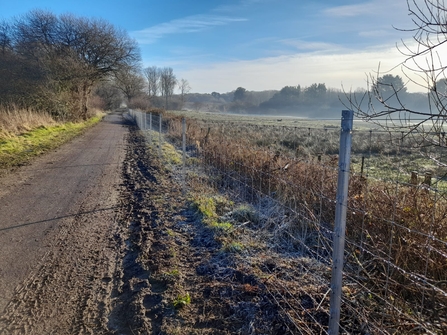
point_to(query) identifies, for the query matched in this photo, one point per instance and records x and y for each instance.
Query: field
(396, 243)
(385, 156)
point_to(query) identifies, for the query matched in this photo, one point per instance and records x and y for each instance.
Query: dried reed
(15, 121)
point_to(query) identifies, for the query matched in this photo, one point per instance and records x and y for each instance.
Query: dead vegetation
(179, 273)
(15, 121)
(396, 233)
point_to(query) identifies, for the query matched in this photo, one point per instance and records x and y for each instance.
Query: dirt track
(56, 235)
(97, 238)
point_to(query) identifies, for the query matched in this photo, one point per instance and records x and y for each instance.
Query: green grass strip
(19, 150)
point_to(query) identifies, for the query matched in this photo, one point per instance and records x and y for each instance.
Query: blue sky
(257, 44)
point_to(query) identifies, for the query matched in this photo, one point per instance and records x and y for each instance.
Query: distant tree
(440, 87)
(243, 101)
(184, 88)
(129, 82)
(288, 96)
(215, 95)
(239, 94)
(315, 91)
(152, 74)
(167, 83)
(288, 91)
(110, 95)
(387, 85)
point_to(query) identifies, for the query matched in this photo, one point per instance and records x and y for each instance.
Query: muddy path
(176, 277)
(99, 238)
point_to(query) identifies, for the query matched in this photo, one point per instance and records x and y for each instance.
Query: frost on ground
(182, 274)
(134, 254)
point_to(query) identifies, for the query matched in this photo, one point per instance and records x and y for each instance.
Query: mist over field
(315, 101)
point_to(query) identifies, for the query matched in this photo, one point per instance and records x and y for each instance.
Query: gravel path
(58, 254)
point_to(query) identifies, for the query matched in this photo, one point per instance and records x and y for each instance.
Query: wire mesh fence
(395, 255)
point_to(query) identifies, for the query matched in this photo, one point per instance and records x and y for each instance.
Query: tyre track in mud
(169, 253)
(157, 259)
(134, 282)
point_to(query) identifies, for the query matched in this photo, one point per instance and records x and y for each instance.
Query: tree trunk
(85, 93)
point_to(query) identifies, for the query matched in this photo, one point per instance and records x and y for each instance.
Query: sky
(220, 45)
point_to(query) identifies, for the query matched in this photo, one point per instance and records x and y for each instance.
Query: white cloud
(347, 69)
(351, 10)
(306, 45)
(376, 8)
(190, 24)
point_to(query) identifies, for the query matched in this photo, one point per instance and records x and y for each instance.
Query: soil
(169, 254)
(99, 238)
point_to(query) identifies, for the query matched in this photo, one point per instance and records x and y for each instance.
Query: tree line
(143, 88)
(52, 63)
(316, 100)
(64, 64)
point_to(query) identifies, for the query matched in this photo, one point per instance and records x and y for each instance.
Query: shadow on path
(58, 218)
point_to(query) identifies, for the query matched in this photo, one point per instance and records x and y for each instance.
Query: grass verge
(19, 150)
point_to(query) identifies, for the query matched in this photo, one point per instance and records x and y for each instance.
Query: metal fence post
(159, 136)
(184, 151)
(144, 126)
(340, 220)
(184, 141)
(150, 129)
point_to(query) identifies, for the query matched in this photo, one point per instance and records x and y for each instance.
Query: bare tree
(129, 82)
(152, 74)
(167, 83)
(184, 88)
(424, 65)
(5, 36)
(111, 96)
(75, 53)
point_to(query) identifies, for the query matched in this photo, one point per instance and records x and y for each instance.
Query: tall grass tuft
(15, 121)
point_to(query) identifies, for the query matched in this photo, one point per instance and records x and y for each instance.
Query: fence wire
(395, 271)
